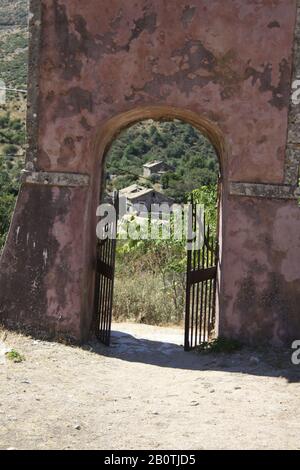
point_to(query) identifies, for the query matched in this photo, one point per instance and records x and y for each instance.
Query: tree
(207, 196)
(176, 143)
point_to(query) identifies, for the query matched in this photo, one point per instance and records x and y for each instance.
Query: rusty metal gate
(201, 282)
(105, 273)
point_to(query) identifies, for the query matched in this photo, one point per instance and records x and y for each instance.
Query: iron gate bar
(205, 298)
(203, 274)
(215, 283)
(105, 268)
(210, 294)
(193, 267)
(197, 298)
(200, 285)
(202, 293)
(187, 302)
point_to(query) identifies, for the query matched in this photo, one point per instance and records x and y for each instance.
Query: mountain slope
(13, 13)
(13, 72)
(13, 42)
(176, 143)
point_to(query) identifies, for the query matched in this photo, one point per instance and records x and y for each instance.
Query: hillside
(13, 72)
(13, 42)
(178, 144)
(13, 12)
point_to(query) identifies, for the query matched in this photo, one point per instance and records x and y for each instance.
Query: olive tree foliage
(151, 273)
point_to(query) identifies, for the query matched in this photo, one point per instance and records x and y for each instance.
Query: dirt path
(146, 394)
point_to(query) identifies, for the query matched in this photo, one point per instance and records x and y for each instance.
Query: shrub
(15, 356)
(144, 298)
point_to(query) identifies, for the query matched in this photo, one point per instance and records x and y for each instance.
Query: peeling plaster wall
(261, 290)
(230, 62)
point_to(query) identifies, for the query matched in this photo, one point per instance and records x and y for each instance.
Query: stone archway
(85, 70)
(103, 140)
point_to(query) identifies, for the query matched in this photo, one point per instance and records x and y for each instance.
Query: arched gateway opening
(202, 271)
(85, 69)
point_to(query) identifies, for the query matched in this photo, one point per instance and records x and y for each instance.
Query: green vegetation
(12, 138)
(13, 13)
(150, 274)
(176, 143)
(207, 196)
(13, 43)
(15, 356)
(150, 280)
(9, 187)
(13, 72)
(13, 59)
(12, 134)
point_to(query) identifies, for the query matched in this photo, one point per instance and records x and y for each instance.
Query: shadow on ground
(261, 362)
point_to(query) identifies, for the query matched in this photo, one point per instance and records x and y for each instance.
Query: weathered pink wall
(261, 291)
(228, 61)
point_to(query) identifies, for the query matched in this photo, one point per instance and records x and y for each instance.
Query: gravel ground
(145, 392)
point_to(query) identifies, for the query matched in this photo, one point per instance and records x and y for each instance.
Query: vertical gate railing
(201, 284)
(105, 271)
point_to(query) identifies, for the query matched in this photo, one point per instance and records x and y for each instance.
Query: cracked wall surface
(230, 63)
